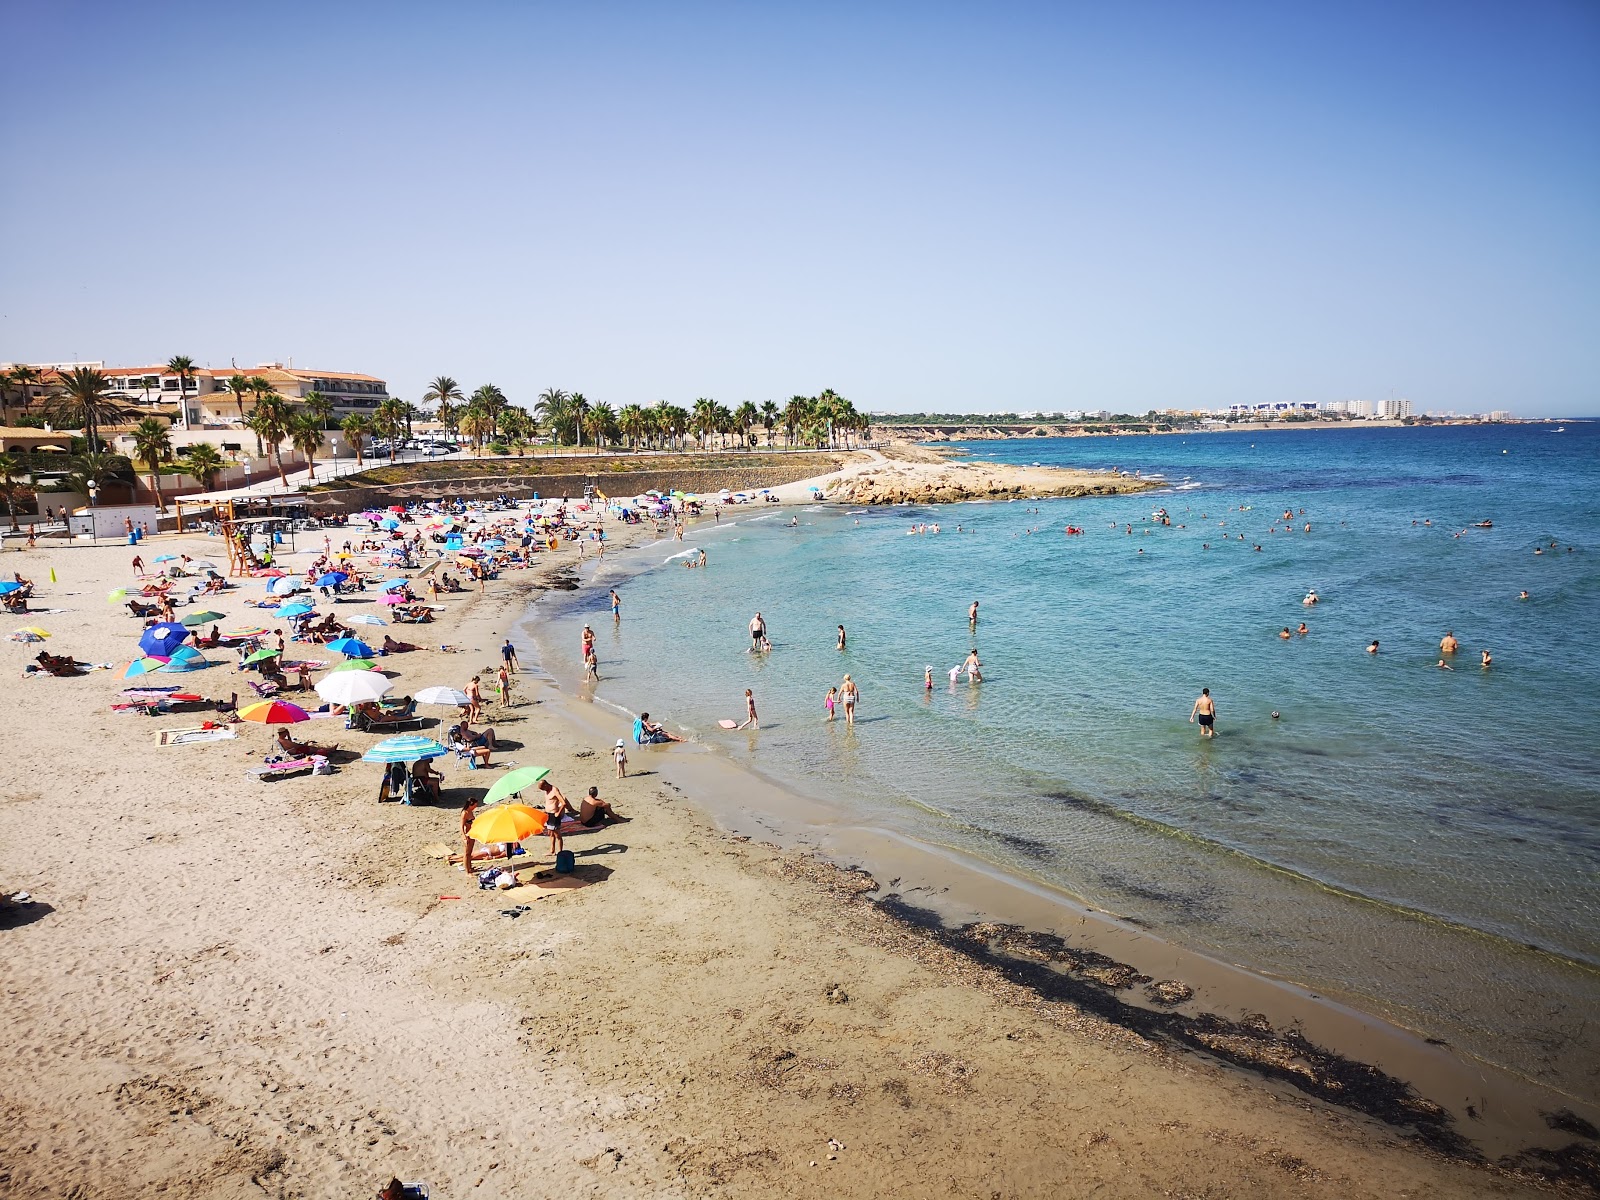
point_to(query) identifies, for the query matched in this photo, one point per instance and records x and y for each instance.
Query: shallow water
(1398, 836)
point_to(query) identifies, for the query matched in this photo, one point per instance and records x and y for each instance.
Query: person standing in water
(972, 615)
(849, 695)
(973, 667)
(927, 678)
(750, 710)
(1448, 643)
(841, 638)
(616, 605)
(1205, 712)
(758, 633)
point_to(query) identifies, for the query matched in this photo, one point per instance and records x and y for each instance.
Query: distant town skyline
(1024, 207)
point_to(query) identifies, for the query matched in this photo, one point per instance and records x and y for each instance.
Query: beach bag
(565, 862)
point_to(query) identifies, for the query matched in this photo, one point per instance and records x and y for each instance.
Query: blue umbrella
(163, 639)
(298, 609)
(332, 579)
(391, 523)
(186, 658)
(408, 747)
(389, 585)
(350, 647)
(165, 558)
(9, 586)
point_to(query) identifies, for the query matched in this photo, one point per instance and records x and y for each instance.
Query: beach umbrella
(262, 655)
(344, 554)
(366, 619)
(201, 618)
(163, 638)
(392, 598)
(165, 558)
(11, 585)
(390, 524)
(351, 647)
(247, 631)
(187, 654)
(389, 585)
(285, 585)
(407, 747)
(397, 508)
(356, 664)
(332, 579)
(470, 552)
(268, 573)
(204, 564)
(353, 687)
(516, 781)
(33, 631)
(112, 597)
(143, 666)
(298, 608)
(274, 712)
(186, 658)
(508, 823)
(447, 696)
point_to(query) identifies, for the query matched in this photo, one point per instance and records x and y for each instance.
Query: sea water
(1422, 842)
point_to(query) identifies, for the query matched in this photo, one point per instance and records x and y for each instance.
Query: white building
(1394, 410)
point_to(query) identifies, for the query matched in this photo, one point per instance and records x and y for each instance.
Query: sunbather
(425, 778)
(390, 646)
(302, 749)
(58, 664)
(369, 714)
(595, 811)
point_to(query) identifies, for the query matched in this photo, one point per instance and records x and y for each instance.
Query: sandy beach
(228, 987)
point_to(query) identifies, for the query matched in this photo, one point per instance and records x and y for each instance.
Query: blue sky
(923, 206)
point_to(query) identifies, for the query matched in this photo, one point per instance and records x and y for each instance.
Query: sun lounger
(315, 763)
(263, 690)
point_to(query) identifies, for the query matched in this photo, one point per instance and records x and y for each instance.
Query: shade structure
(513, 782)
(351, 647)
(201, 618)
(274, 712)
(143, 666)
(354, 664)
(297, 608)
(165, 558)
(331, 579)
(10, 585)
(353, 687)
(392, 598)
(163, 638)
(507, 823)
(187, 658)
(407, 747)
(447, 696)
(365, 619)
(263, 654)
(285, 584)
(389, 585)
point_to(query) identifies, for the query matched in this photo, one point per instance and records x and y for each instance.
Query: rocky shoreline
(914, 475)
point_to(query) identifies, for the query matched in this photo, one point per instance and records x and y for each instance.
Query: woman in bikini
(849, 694)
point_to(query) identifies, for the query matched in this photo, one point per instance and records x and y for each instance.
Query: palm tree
(580, 410)
(10, 486)
(703, 419)
(446, 393)
(475, 423)
(201, 461)
(152, 442)
(492, 401)
(517, 426)
(21, 377)
(305, 435)
(633, 423)
(319, 406)
(82, 398)
(678, 422)
(554, 408)
(795, 414)
(387, 421)
(769, 418)
(261, 387)
(239, 385)
(744, 419)
(271, 420)
(601, 423)
(356, 427)
(183, 367)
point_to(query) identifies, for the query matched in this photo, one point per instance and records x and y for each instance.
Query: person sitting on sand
(648, 733)
(425, 779)
(594, 811)
(289, 746)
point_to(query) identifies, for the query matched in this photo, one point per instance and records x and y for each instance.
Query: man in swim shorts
(1205, 712)
(758, 632)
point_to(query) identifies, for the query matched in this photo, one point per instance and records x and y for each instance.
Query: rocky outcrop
(956, 482)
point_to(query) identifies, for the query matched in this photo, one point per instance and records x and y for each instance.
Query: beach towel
(187, 737)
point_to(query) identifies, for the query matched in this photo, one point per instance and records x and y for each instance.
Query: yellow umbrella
(33, 629)
(506, 823)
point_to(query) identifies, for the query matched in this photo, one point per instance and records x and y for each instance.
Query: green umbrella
(516, 781)
(201, 618)
(355, 664)
(262, 656)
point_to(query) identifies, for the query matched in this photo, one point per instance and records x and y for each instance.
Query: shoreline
(238, 984)
(946, 891)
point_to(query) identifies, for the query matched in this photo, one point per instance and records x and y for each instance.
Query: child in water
(830, 700)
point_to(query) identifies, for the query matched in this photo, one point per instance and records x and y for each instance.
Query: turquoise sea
(1420, 842)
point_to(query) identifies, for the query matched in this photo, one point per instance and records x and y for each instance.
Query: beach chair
(315, 763)
(396, 784)
(264, 690)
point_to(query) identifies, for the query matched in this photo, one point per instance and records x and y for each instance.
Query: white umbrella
(366, 619)
(353, 687)
(447, 696)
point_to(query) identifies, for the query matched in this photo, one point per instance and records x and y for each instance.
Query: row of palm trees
(487, 416)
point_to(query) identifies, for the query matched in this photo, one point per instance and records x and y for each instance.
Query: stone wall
(702, 481)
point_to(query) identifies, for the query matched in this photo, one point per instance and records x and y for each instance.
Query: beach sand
(235, 988)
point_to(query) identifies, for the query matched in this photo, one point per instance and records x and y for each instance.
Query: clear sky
(923, 206)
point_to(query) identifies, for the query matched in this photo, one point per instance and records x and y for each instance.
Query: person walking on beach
(508, 656)
(469, 812)
(138, 566)
(588, 642)
(474, 692)
(758, 633)
(750, 711)
(1205, 712)
(620, 753)
(503, 679)
(849, 695)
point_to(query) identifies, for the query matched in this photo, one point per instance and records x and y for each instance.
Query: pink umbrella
(392, 598)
